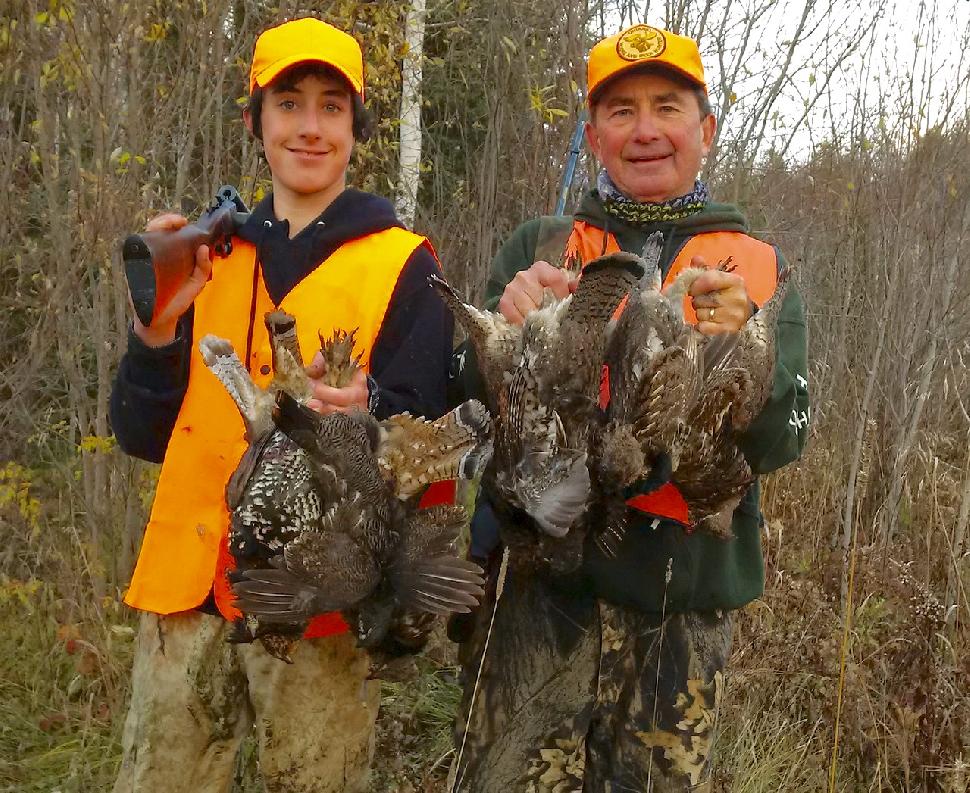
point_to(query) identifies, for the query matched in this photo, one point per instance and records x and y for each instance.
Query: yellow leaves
(6, 32)
(122, 160)
(542, 105)
(57, 11)
(95, 444)
(263, 186)
(21, 592)
(157, 32)
(15, 483)
(49, 72)
(64, 68)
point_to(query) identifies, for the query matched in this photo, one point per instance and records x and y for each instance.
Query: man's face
(308, 135)
(647, 131)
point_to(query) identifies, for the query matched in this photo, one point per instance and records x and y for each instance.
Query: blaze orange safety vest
(755, 261)
(184, 552)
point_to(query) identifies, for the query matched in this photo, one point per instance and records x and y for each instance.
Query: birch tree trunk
(409, 174)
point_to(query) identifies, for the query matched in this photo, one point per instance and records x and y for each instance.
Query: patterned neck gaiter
(634, 213)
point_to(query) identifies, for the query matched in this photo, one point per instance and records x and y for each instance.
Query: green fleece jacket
(705, 573)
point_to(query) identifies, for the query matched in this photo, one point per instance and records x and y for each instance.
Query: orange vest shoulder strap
(588, 242)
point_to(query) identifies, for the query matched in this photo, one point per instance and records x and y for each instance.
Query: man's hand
(327, 399)
(524, 292)
(163, 327)
(720, 300)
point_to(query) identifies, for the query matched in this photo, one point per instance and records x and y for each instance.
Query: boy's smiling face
(307, 130)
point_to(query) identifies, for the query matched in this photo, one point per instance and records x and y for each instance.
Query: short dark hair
(363, 123)
(703, 100)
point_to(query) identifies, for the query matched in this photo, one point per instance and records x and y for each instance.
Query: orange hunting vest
(754, 261)
(184, 552)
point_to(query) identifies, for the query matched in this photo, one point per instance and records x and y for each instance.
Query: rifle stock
(157, 263)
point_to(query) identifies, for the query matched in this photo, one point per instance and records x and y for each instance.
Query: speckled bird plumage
(678, 400)
(544, 381)
(687, 396)
(322, 510)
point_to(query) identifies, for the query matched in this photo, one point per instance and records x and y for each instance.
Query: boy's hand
(524, 292)
(163, 327)
(327, 399)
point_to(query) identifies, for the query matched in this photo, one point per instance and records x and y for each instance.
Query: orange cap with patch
(638, 46)
(306, 40)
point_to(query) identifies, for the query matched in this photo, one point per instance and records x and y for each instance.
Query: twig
(499, 587)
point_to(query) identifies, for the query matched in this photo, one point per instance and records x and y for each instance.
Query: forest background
(843, 136)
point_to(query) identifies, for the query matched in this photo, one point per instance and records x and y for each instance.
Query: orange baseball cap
(639, 45)
(302, 40)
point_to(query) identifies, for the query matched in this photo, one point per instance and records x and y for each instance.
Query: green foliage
(425, 707)
(62, 686)
(15, 496)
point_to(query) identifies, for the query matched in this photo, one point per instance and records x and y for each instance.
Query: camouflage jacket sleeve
(777, 436)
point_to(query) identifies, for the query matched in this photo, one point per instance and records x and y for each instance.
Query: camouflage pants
(580, 695)
(195, 697)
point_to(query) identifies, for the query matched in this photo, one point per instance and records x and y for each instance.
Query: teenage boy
(334, 257)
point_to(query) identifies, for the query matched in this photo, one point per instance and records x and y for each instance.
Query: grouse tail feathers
(414, 452)
(495, 340)
(276, 596)
(427, 574)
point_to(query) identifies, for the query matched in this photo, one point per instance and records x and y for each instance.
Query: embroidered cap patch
(639, 42)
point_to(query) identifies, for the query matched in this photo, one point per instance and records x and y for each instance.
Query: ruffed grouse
(543, 380)
(677, 399)
(324, 513)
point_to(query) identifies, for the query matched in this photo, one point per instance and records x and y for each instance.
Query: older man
(610, 680)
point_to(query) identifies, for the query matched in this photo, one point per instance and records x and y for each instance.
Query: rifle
(157, 263)
(575, 147)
